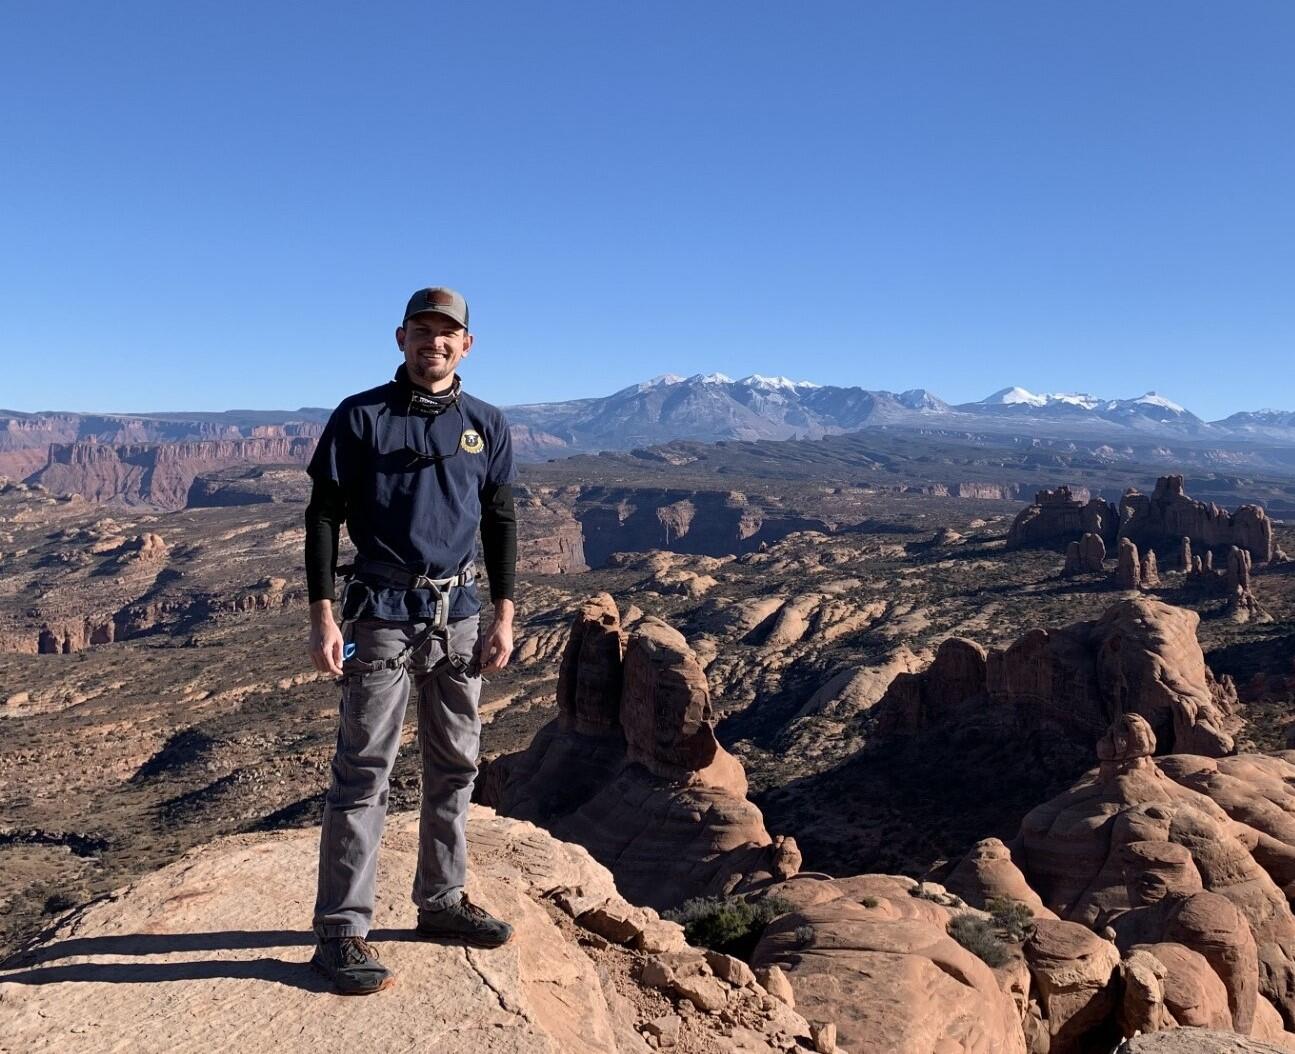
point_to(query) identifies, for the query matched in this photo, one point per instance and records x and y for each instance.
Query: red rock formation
(1170, 904)
(1092, 551)
(1169, 515)
(676, 519)
(1073, 971)
(1060, 515)
(987, 873)
(1078, 853)
(955, 678)
(639, 780)
(986, 491)
(1128, 567)
(1141, 657)
(589, 679)
(1238, 573)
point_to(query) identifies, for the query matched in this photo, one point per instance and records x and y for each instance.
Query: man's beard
(427, 372)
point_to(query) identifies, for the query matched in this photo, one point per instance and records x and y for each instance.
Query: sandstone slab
(211, 953)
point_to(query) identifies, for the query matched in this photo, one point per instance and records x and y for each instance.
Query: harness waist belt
(396, 577)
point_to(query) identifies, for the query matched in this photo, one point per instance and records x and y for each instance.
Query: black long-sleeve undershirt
(326, 513)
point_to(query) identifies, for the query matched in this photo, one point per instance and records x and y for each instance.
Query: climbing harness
(392, 576)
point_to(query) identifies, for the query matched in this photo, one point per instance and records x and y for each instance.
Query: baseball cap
(440, 300)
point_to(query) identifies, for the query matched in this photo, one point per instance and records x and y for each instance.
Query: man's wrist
(321, 612)
(505, 609)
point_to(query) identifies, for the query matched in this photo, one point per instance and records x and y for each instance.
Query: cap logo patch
(438, 298)
(471, 442)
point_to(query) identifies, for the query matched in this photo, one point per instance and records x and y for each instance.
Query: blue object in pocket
(348, 651)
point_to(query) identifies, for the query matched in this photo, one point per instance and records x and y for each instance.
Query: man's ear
(400, 337)
(467, 344)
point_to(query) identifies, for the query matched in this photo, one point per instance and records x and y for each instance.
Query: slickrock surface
(211, 953)
(871, 955)
(1195, 1041)
(1072, 970)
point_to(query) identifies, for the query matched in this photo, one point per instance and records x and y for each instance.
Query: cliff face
(702, 522)
(158, 474)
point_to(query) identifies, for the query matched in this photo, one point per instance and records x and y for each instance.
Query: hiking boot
(351, 963)
(465, 922)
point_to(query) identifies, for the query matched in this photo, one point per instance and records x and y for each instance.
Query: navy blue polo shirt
(422, 513)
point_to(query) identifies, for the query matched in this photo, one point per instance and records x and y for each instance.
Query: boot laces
(356, 951)
(473, 909)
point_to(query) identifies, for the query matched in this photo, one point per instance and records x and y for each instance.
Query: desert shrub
(804, 934)
(58, 902)
(1013, 917)
(976, 934)
(727, 924)
(869, 902)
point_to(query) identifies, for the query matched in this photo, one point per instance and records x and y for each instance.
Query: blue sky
(213, 206)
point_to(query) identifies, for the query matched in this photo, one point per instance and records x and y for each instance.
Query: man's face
(433, 345)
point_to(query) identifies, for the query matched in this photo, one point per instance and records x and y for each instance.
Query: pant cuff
(339, 929)
(440, 900)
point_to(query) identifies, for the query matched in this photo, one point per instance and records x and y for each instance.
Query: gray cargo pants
(372, 715)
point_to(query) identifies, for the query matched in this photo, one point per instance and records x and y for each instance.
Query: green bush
(1015, 918)
(976, 934)
(727, 924)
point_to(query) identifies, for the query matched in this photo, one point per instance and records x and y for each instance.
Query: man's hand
(497, 646)
(326, 639)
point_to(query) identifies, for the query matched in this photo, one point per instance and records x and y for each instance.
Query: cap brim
(439, 311)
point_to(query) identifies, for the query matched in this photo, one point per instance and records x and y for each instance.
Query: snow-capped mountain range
(713, 407)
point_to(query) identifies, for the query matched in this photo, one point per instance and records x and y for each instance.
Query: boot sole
(387, 982)
(461, 938)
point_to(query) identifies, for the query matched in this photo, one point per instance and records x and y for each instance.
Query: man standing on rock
(413, 467)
